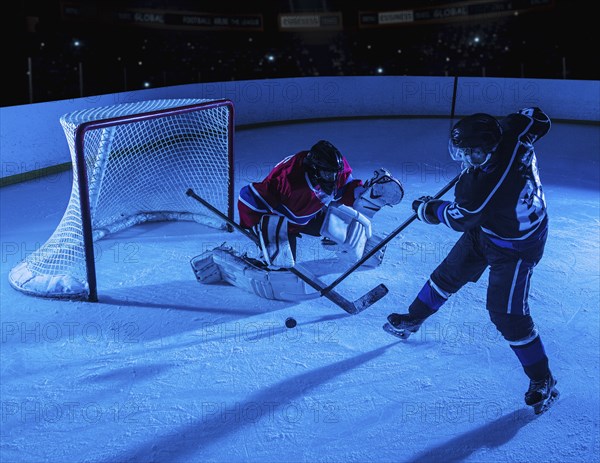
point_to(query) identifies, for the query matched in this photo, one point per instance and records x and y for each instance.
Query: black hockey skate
(542, 394)
(402, 325)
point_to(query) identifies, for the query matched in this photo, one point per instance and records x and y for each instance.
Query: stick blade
(370, 298)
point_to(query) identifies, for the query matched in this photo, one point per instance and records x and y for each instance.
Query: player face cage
(474, 139)
(325, 179)
(328, 176)
(474, 157)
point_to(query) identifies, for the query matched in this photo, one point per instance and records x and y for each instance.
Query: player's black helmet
(324, 164)
(474, 138)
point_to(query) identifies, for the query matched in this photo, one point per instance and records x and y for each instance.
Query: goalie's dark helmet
(324, 164)
(474, 139)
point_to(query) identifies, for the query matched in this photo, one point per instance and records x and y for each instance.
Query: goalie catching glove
(348, 228)
(381, 190)
(272, 233)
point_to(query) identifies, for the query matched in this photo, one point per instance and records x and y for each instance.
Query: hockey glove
(426, 209)
(381, 190)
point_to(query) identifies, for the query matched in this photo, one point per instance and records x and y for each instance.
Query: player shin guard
(542, 392)
(428, 301)
(532, 355)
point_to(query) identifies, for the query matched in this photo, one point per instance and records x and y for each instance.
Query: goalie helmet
(474, 139)
(324, 164)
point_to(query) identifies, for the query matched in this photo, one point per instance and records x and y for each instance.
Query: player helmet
(324, 164)
(474, 139)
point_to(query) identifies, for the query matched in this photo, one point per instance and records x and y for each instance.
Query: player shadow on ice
(188, 310)
(213, 426)
(177, 296)
(124, 375)
(492, 435)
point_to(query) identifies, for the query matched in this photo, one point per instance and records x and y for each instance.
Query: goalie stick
(386, 240)
(351, 307)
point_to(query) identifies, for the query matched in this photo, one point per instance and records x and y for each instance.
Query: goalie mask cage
(132, 163)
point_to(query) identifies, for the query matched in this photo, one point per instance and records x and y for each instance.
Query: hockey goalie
(312, 192)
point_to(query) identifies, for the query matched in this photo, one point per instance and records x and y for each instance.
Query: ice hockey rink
(165, 369)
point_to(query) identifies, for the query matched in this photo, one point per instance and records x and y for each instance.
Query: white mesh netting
(138, 170)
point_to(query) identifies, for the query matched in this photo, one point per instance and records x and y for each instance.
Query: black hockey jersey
(504, 197)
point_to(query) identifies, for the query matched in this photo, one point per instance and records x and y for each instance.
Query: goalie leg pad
(205, 268)
(272, 231)
(381, 190)
(224, 264)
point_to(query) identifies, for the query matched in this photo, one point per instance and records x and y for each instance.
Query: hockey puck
(290, 322)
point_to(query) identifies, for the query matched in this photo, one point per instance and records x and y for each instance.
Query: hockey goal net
(132, 163)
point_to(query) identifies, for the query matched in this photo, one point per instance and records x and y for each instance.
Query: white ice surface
(164, 369)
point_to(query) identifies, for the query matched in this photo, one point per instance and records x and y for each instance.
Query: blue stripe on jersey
(440, 212)
(250, 197)
(296, 219)
(518, 243)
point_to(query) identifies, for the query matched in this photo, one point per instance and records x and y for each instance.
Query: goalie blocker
(348, 228)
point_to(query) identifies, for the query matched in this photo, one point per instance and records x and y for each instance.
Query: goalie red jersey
(297, 191)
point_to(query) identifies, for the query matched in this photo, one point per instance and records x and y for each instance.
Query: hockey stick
(351, 307)
(386, 240)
